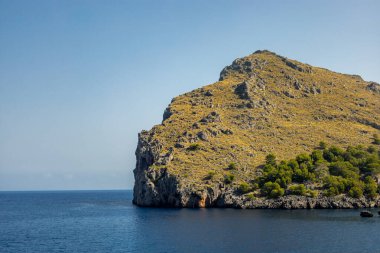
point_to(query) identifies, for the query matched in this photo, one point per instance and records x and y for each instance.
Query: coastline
(285, 202)
(220, 197)
(302, 202)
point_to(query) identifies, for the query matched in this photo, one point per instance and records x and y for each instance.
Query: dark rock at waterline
(366, 214)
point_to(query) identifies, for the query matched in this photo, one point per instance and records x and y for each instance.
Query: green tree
(271, 159)
(317, 156)
(293, 164)
(336, 151)
(244, 188)
(303, 158)
(355, 192)
(302, 174)
(370, 187)
(334, 185)
(298, 189)
(273, 190)
(344, 169)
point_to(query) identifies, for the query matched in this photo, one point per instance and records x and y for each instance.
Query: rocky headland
(214, 146)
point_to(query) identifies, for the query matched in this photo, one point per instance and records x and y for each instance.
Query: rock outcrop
(262, 103)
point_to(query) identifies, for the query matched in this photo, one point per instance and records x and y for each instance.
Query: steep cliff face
(155, 186)
(262, 104)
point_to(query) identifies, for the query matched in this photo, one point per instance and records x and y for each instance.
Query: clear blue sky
(80, 79)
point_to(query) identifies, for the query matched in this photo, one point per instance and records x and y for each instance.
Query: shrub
(370, 167)
(356, 152)
(232, 166)
(328, 155)
(336, 151)
(355, 192)
(321, 170)
(244, 188)
(330, 192)
(273, 190)
(293, 164)
(283, 181)
(299, 189)
(281, 174)
(303, 158)
(251, 196)
(334, 185)
(271, 159)
(255, 186)
(194, 146)
(229, 178)
(322, 145)
(302, 174)
(371, 149)
(317, 156)
(210, 174)
(370, 187)
(311, 193)
(344, 169)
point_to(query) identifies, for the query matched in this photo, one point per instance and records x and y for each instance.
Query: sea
(107, 221)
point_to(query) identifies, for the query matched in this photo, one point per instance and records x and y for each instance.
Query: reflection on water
(106, 221)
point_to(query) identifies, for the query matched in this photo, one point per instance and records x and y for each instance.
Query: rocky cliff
(263, 103)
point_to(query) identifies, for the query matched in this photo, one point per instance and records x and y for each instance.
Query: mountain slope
(262, 104)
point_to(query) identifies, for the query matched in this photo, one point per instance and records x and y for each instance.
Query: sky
(79, 79)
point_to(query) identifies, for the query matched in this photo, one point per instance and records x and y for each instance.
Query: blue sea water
(106, 221)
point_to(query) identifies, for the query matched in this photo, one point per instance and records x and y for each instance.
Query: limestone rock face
(154, 186)
(263, 103)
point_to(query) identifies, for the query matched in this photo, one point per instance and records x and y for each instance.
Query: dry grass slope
(263, 103)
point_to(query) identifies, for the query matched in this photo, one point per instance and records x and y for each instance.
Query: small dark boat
(366, 214)
(378, 212)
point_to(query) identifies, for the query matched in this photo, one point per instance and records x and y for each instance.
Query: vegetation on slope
(327, 171)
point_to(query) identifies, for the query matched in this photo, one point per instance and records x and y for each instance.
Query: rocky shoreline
(158, 188)
(301, 202)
